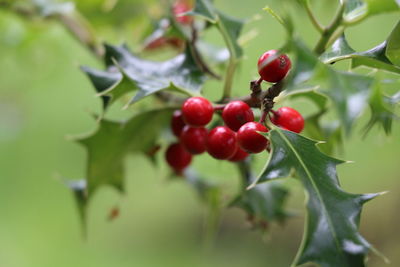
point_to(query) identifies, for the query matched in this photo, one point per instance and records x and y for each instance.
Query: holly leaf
(393, 45)
(331, 132)
(317, 129)
(331, 236)
(382, 109)
(264, 202)
(373, 58)
(305, 66)
(348, 91)
(110, 143)
(78, 187)
(320, 100)
(145, 77)
(357, 10)
(101, 81)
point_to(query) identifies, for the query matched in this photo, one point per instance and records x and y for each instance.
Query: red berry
(197, 111)
(179, 8)
(239, 155)
(221, 142)
(275, 70)
(289, 119)
(177, 123)
(237, 113)
(249, 139)
(194, 139)
(177, 157)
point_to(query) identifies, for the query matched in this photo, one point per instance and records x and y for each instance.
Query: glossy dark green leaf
(109, 144)
(180, 73)
(102, 81)
(264, 202)
(331, 235)
(127, 72)
(393, 45)
(373, 58)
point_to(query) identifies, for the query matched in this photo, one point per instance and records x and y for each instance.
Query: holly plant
(172, 120)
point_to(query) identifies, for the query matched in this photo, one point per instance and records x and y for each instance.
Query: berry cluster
(239, 136)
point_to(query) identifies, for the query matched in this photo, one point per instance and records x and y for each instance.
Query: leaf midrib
(304, 166)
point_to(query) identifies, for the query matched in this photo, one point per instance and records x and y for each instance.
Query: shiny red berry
(179, 8)
(194, 139)
(239, 155)
(249, 139)
(177, 157)
(237, 113)
(289, 119)
(221, 143)
(197, 111)
(273, 70)
(177, 123)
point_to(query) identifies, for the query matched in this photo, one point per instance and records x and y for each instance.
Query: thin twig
(312, 17)
(197, 56)
(329, 32)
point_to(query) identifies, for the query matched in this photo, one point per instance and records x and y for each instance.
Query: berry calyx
(177, 157)
(273, 70)
(237, 113)
(179, 8)
(239, 155)
(289, 119)
(177, 123)
(250, 140)
(197, 111)
(194, 139)
(221, 143)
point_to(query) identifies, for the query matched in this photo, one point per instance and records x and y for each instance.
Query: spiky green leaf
(382, 109)
(348, 91)
(264, 202)
(331, 236)
(109, 144)
(145, 77)
(373, 58)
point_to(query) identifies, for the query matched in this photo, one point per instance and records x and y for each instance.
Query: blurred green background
(44, 98)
